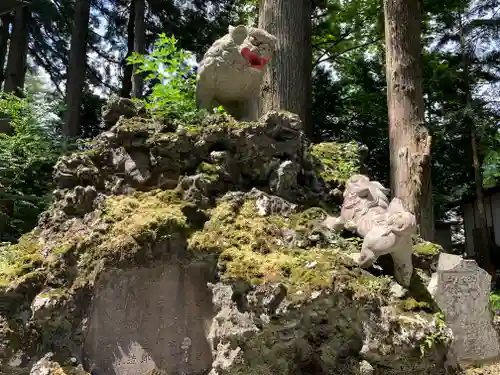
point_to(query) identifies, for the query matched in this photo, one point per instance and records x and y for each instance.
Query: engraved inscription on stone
(150, 321)
(461, 289)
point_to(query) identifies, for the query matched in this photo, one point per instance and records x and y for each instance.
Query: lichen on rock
(236, 206)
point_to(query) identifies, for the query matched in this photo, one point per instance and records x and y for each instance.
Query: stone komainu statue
(231, 71)
(386, 228)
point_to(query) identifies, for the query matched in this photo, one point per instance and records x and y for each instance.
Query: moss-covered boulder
(174, 248)
(426, 255)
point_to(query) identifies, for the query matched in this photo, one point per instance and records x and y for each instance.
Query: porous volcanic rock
(194, 249)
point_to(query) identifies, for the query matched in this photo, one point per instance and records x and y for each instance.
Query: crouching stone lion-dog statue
(386, 228)
(231, 71)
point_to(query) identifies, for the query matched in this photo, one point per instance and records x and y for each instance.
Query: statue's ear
(238, 33)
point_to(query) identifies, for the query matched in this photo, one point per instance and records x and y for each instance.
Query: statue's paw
(350, 226)
(335, 224)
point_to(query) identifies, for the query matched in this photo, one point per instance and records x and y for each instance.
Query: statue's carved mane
(386, 227)
(231, 71)
(362, 195)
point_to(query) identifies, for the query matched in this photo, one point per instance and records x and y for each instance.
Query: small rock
(117, 107)
(270, 204)
(284, 180)
(273, 300)
(397, 291)
(365, 368)
(315, 294)
(44, 305)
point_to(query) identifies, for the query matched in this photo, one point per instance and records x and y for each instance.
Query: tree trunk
(18, 51)
(127, 68)
(287, 80)
(484, 247)
(5, 21)
(14, 83)
(139, 46)
(409, 140)
(77, 67)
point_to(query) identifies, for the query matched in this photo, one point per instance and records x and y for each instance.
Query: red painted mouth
(255, 61)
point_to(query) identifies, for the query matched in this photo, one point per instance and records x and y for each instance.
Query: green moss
(411, 304)
(308, 216)
(371, 286)
(210, 170)
(193, 129)
(336, 161)
(140, 218)
(19, 260)
(53, 293)
(251, 249)
(427, 249)
(137, 123)
(439, 337)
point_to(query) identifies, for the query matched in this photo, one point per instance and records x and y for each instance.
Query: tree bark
(5, 21)
(484, 247)
(287, 80)
(127, 68)
(409, 140)
(18, 51)
(76, 69)
(139, 46)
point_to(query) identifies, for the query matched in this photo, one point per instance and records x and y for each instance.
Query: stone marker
(461, 289)
(150, 321)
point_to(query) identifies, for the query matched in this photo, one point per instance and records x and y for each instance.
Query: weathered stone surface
(47, 365)
(150, 318)
(425, 255)
(117, 264)
(117, 107)
(461, 289)
(365, 368)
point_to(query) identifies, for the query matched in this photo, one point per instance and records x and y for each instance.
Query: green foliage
(491, 166)
(439, 336)
(495, 301)
(173, 94)
(336, 161)
(26, 160)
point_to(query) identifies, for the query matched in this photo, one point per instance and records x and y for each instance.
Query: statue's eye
(254, 41)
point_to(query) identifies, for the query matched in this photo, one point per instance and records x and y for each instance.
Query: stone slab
(150, 321)
(461, 289)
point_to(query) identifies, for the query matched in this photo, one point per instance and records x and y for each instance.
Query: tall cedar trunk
(76, 69)
(5, 22)
(127, 68)
(139, 46)
(18, 51)
(409, 140)
(287, 81)
(483, 248)
(14, 83)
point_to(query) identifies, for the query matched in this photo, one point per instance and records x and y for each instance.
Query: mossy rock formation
(195, 249)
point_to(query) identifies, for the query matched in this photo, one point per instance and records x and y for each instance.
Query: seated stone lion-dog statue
(231, 71)
(386, 228)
